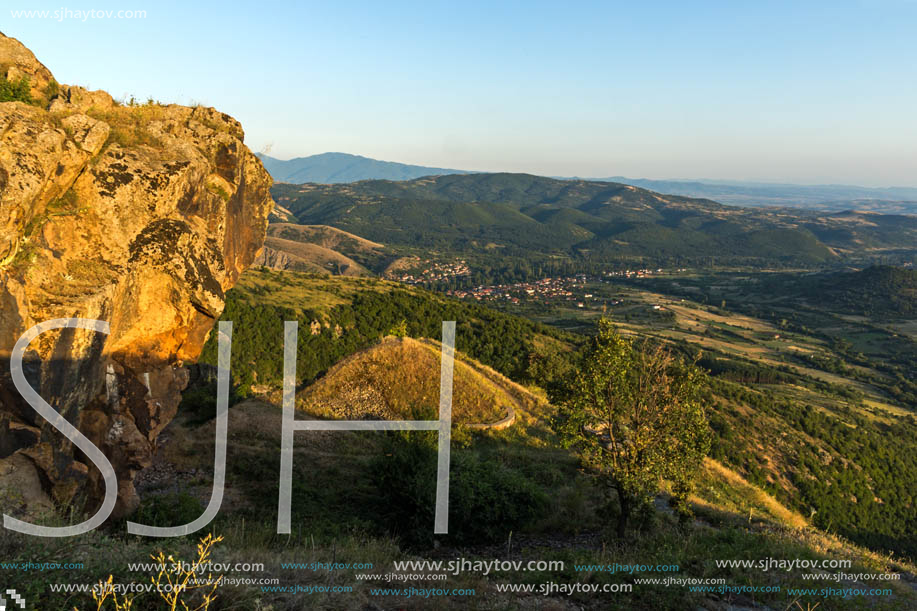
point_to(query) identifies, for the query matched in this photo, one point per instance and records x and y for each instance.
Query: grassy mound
(399, 379)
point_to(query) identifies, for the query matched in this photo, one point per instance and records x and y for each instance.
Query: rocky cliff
(138, 215)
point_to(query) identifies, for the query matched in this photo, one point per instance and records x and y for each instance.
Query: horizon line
(608, 178)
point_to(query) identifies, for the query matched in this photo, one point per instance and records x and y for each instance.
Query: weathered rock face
(141, 216)
(18, 61)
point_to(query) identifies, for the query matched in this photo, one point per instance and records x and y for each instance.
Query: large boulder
(141, 216)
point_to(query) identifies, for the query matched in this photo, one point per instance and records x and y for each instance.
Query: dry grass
(323, 235)
(303, 291)
(741, 496)
(399, 379)
(128, 124)
(318, 257)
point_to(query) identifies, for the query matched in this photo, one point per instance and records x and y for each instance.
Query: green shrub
(487, 500)
(173, 509)
(15, 91)
(199, 402)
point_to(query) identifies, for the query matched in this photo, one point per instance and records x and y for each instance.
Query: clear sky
(797, 91)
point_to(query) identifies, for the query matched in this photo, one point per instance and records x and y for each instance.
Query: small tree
(634, 412)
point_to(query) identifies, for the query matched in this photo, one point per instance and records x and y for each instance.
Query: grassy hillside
(531, 217)
(322, 249)
(816, 407)
(336, 519)
(791, 415)
(398, 379)
(281, 254)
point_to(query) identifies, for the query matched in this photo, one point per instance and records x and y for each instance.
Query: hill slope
(879, 292)
(808, 437)
(281, 254)
(323, 250)
(398, 379)
(342, 167)
(327, 250)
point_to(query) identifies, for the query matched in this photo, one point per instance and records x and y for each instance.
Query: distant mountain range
(330, 168)
(496, 216)
(889, 200)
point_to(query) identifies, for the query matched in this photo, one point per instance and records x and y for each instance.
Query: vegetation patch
(18, 90)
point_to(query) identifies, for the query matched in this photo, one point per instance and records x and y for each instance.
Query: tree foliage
(634, 413)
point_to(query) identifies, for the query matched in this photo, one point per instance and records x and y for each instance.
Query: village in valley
(552, 290)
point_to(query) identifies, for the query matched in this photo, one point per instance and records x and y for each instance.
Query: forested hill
(531, 216)
(879, 292)
(875, 291)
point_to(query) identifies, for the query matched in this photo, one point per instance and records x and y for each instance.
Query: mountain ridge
(524, 215)
(333, 168)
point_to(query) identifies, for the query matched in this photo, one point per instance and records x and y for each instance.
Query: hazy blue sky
(765, 90)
